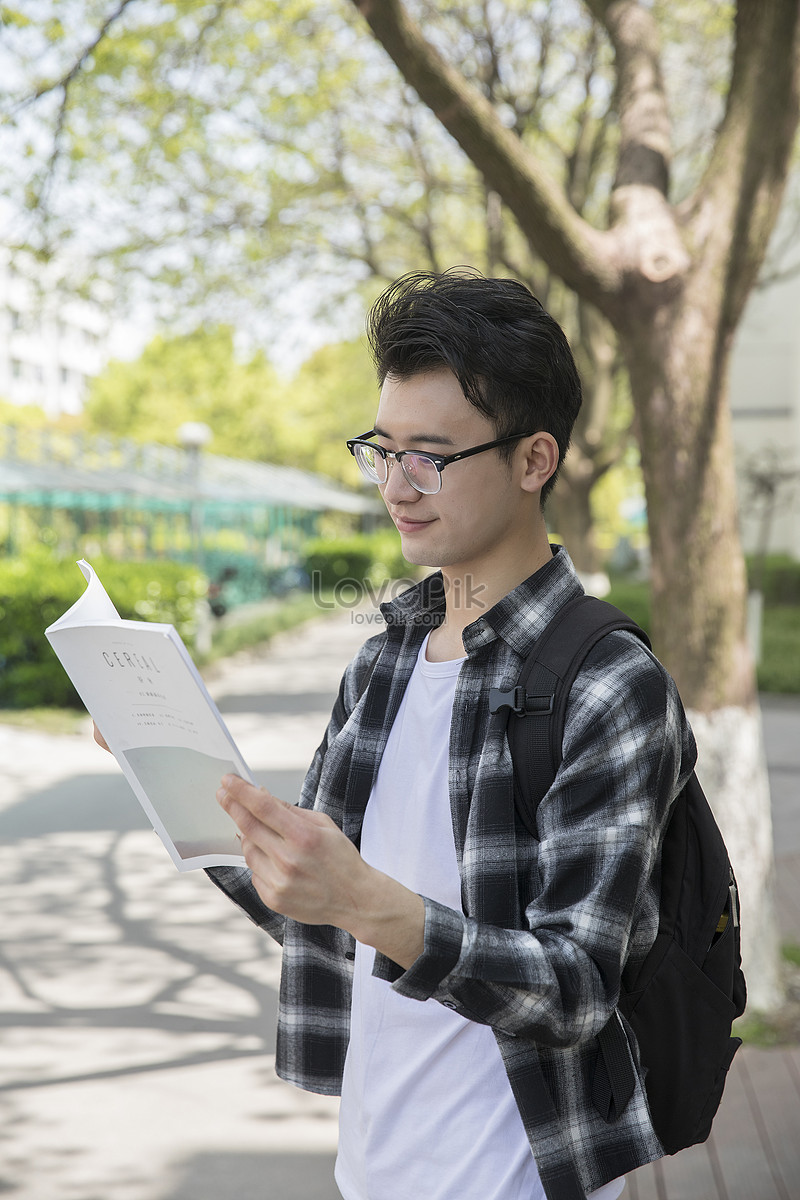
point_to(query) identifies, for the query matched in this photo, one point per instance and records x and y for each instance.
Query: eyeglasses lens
(421, 473)
(372, 464)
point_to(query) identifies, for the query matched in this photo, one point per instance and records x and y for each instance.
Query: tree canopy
(300, 420)
(208, 157)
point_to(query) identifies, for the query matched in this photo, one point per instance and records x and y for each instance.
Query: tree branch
(583, 156)
(63, 83)
(584, 257)
(737, 201)
(645, 150)
(640, 207)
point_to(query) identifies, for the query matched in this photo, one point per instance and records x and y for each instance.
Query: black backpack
(682, 1001)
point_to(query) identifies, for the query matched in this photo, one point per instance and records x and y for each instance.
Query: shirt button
(449, 1004)
(350, 954)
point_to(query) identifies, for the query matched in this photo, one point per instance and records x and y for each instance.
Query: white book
(147, 698)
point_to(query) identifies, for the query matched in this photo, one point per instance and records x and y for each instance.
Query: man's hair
(510, 357)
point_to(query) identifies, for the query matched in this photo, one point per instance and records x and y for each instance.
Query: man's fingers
(98, 737)
(242, 800)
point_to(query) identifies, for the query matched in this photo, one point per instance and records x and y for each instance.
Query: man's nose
(397, 488)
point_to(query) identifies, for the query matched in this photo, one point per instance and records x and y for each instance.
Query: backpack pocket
(722, 964)
(682, 1022)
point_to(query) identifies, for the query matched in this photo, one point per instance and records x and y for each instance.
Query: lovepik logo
(358, 594)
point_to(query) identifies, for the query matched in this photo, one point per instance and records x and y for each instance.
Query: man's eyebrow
(433, 439)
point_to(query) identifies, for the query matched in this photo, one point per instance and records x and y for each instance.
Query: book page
(146, 696)
(93, 605)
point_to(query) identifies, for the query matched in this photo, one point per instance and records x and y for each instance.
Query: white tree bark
(732, 770)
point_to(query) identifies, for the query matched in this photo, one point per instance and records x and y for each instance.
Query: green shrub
(388, 561)
(633, 598)
(779, 579)
(362, 556)
(37, 590)
(779, 669)
(261, 627)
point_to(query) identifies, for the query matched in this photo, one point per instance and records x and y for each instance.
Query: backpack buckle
(520, 702)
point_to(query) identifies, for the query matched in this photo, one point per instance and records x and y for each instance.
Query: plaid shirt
(548, 924)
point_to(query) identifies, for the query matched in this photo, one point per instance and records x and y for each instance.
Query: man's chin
(418, 557)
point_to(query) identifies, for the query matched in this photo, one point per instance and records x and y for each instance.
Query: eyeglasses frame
(440, 461)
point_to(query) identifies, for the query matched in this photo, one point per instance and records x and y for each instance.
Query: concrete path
(137, 1006)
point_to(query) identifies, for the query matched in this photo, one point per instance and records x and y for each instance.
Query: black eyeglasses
(423, 471)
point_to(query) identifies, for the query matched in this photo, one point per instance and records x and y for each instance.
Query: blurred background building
(51, 344)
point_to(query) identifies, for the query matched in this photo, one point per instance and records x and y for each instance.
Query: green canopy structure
(233, 516)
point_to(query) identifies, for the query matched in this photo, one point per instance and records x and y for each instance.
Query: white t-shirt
(426, 1110)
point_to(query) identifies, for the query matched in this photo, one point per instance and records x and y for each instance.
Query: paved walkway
(137, 1006)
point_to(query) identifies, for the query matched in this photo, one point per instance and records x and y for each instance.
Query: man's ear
(540, 461)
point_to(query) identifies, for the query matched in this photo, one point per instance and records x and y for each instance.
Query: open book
(146, 696)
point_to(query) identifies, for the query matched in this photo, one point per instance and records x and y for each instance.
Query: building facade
(51, 345)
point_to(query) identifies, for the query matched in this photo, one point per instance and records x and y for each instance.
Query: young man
(442, 968)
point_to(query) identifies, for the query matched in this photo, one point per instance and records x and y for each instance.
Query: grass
(57, 721)
(756, 1029)
(791, 954)
(782, 1027)
(261, 626)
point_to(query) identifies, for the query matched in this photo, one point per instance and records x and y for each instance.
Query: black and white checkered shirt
(547, 925)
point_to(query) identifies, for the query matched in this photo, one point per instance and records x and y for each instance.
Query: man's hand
(304, 867)
(98, 737)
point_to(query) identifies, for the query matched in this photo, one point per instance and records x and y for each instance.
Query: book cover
(147, 698)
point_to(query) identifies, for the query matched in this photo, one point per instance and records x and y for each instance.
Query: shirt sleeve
(627, 753)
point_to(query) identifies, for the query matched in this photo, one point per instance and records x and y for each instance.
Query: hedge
(36, 590)
(779, 669)
(779, 579)
(633, 598)
(362, 556)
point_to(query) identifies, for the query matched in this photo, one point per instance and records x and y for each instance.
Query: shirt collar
(519, 618)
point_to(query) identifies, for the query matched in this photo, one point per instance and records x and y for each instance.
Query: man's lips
(407, 525)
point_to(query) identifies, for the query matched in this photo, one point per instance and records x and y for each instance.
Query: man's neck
(468, 595)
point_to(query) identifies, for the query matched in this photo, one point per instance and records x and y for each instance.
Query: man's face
(481, 507)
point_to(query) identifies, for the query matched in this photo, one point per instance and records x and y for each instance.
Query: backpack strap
(538, 702)
(537, 708)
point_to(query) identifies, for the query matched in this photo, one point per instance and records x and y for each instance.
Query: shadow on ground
(254, 1177)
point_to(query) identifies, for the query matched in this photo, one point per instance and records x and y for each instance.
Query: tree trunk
(595, 447)
(678, 370)
(571, 507)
